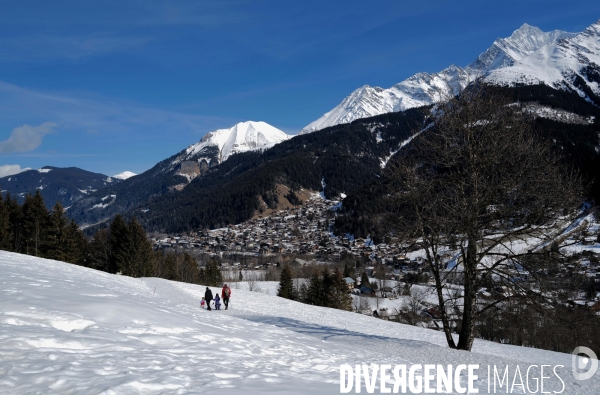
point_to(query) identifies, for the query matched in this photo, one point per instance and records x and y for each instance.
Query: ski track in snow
(73, 330)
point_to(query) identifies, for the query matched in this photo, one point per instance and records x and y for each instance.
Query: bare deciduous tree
(253, 283)
(481, 194)
(361, 303)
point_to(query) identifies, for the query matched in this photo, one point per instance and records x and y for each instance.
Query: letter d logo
(579, 364)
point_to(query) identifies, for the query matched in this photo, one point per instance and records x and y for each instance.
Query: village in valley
(400, 288)
(304, 231)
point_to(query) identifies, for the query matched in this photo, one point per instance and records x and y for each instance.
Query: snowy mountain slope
(177, 171)
(424, 88)
(527, 39)
(66, 185)
(571, 64)
(242, 137)
(69, 329)
(418, 90)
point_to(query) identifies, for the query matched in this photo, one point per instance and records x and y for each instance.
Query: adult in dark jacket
(208, 296)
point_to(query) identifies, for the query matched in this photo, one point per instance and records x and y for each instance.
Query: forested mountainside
(341, 158)
(116, 199)
(565, 118)
(346, 158)
(65, 185)
(175, 172)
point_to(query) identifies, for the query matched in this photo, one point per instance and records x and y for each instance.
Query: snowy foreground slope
(72, 330)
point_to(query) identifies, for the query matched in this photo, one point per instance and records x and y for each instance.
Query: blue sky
(120, 85)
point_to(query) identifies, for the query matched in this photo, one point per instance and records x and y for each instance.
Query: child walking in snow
(203, 303)
(217, 302)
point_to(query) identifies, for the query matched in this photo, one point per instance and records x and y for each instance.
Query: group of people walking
(208, 297)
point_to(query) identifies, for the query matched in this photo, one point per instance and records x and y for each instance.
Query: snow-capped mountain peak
(419, 90)
(124, 175)
(365, 101)
(242, 137)
(593, 30)
(217, 146)
(572, 63)
(425, 88)
(504, 52)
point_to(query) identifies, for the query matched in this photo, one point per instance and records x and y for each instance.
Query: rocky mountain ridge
(427, 88)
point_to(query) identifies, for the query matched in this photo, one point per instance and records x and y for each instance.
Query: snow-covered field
(71, 330)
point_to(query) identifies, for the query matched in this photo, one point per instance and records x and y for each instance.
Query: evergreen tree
(159, 264)
(100, 254)
(17, 228)
(31, 229)
(171, 266)
(211, 273)
(177, 267)
(119, 238)
(293, 198)
(138, 255)
(5, 231)
(56, 235)
(314, 292)
(35, 216)
(327, 288)
(364, 280)
(349, 270)
(340, 295)
(286, 286)
(75, 246)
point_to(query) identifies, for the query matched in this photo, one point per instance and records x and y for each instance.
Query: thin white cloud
(81, 113)
(66, 47)
(9, 170)
(42, 38)
(26, 138)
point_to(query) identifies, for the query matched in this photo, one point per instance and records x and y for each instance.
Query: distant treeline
(32, 229)
(123, 247)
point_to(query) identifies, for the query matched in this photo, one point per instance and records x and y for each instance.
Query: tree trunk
(442, 304)
(466, 335)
